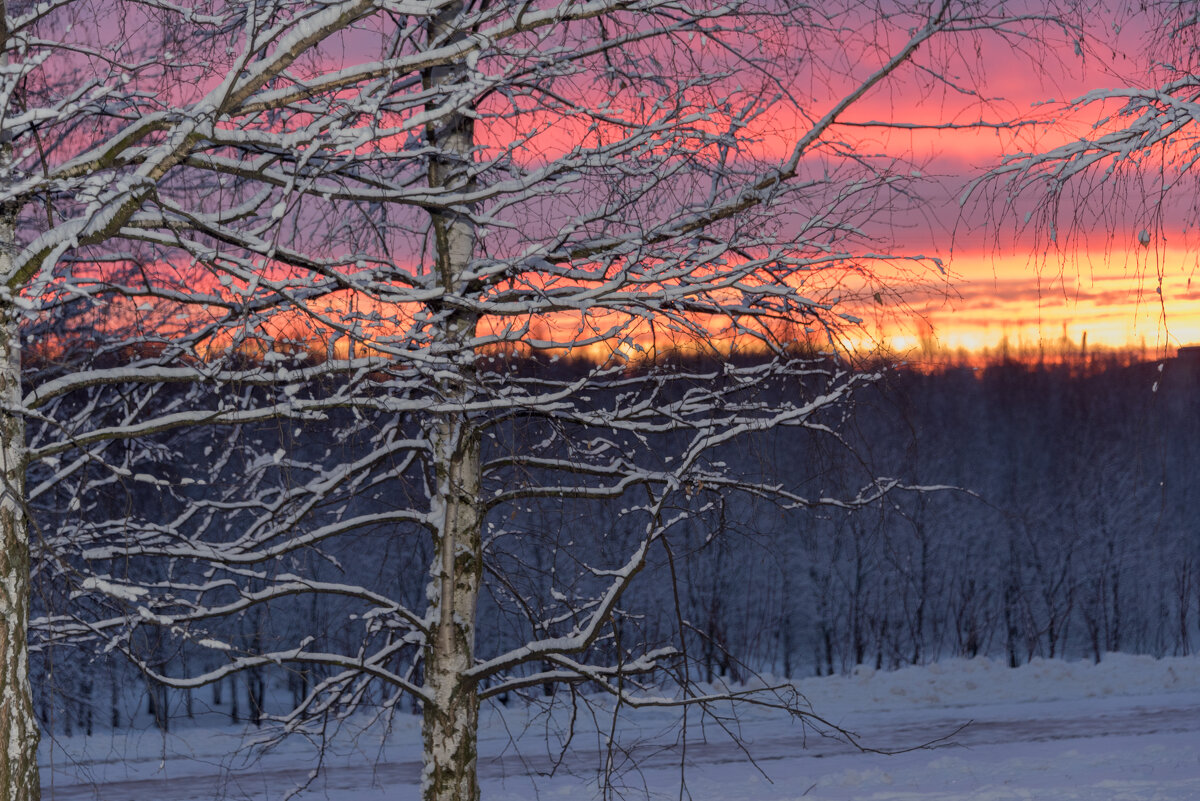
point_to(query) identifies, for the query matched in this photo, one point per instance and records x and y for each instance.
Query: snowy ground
(1126, 730)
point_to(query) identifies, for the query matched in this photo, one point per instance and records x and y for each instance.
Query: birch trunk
(18, 725)
(19, 731)
(451, 714)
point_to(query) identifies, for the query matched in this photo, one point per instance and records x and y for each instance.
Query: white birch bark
(451, 712)
(18, 724)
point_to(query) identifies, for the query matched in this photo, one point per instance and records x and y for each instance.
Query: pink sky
(1004, 279)
(1008, 279)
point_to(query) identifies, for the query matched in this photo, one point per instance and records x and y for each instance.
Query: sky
(1120, 267)
(1110, 266)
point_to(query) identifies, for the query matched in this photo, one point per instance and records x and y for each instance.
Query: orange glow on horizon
(1133, 299)
(1145, 298)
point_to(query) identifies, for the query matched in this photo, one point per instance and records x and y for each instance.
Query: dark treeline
(1068, 531)
(1076, 532)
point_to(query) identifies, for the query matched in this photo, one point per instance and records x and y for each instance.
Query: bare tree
(551, 256)
(108, 112)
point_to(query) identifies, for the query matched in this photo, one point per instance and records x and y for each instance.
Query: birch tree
(548, 256)
(107, 108)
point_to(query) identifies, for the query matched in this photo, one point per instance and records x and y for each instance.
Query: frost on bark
(18, 754)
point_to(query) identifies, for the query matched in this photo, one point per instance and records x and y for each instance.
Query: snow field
(1127, 729)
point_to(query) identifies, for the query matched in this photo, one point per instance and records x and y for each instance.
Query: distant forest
(1064, 524)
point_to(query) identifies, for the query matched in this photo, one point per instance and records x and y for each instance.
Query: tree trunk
(256, 688)
(114, 697)
(18, 757)
(158, 704)
(189, 706)
(451, 717)
(19, 780)
(451, 712)
(85, 706)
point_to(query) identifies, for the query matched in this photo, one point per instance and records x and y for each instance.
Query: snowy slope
(1125, 730)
